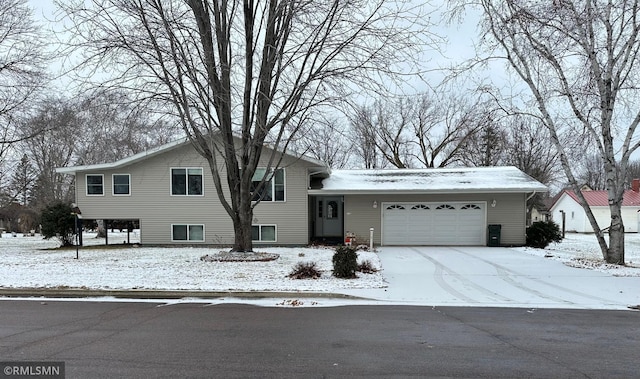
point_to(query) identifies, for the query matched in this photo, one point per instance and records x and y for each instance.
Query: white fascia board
(126, 161)
(425, 192)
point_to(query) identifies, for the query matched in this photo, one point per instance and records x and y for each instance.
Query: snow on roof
(601, 198)
(461, 180)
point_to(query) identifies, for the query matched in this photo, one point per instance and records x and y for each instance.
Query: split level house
(170, 192)
(575, 218)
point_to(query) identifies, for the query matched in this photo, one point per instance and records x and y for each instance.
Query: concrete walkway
(500, 277)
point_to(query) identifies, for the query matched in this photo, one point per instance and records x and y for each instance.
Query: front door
(328, 216)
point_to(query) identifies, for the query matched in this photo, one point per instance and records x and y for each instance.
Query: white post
(371, 239)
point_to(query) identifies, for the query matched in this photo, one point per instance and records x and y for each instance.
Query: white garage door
(442, 223)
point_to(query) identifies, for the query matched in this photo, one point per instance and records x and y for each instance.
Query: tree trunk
(615, 253)
(242, 241)
(102, 232)
(242, 223)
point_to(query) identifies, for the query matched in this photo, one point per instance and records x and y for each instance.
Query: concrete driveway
(500, 277)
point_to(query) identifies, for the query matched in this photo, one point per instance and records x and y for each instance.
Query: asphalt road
(143, 340)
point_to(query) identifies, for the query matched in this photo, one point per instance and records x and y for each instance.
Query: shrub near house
(541, 233)
(58, 221)
(345, 262)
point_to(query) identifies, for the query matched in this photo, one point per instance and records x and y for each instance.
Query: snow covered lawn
(582, 251)
(25, 262)
(31, 262)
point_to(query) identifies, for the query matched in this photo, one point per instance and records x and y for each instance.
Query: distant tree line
(94, 128)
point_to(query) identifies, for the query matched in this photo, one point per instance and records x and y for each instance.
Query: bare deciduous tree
(591, 172)
(21, 74)
(633, 171)
(444, 127)
(420, 131)
(365, 137)
(387, 124)
(55, 147)
(247, 71)
(579, 61)
(326, 140)
(89, 129)
(528, 149)
(114, 127)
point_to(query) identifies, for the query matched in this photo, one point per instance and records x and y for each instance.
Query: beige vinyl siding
(509, 212)
(290, 216)
(152, 203)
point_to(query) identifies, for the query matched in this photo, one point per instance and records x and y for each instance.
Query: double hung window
(273, 188)
(121, 184)
(186, 182)
(95, 184)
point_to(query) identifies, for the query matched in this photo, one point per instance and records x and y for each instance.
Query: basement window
(187, 232)
(263, 233)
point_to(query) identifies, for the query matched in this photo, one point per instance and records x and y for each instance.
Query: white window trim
(204, 236)
(275, 227)
(187, 194)
(113, 185)
(273, 185)
(86, 184)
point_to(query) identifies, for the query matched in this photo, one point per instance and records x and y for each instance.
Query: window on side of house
(186, 182)
(95, 184)
(121, 184)
(274, 186)
(263, 233)
(187, 232)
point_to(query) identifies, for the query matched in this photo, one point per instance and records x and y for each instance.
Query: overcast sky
(461, 39)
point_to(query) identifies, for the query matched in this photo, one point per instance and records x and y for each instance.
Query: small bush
(345, 262)
(305, 270)
(366, 267)
(541, 233)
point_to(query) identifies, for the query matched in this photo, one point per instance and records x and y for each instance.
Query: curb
(163, 294)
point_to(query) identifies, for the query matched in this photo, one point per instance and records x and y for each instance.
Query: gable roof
(601, 198)
(438, 180)
(157, 151)
(126, 161)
